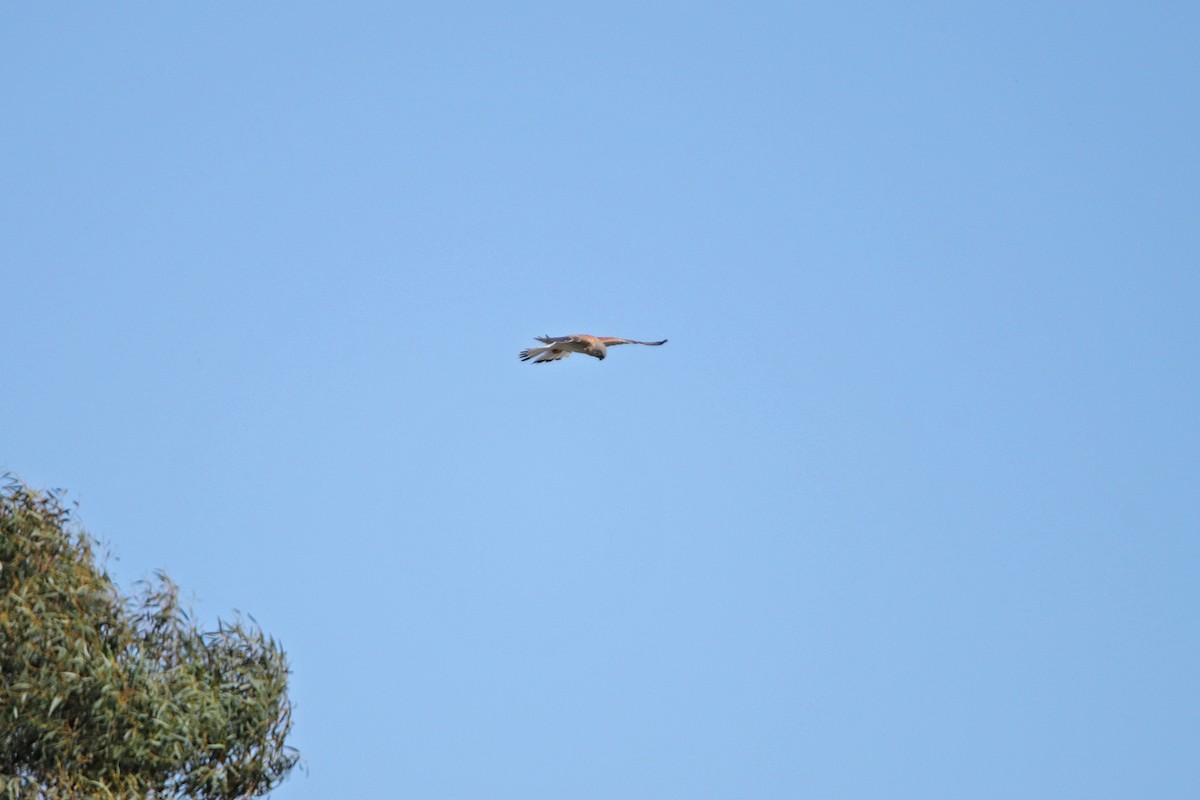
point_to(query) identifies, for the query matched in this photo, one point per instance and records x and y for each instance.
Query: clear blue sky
(907, 508)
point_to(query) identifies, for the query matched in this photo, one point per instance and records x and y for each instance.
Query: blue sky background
(908, 507)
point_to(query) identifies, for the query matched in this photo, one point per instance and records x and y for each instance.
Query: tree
(108, 696)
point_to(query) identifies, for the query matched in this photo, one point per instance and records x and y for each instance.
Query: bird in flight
(559, 347)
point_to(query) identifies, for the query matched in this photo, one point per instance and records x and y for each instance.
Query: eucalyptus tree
(104, 695)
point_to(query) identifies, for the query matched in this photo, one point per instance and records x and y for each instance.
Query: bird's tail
(544, 355)
(532, 352)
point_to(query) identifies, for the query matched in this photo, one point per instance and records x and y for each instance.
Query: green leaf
(149, 703)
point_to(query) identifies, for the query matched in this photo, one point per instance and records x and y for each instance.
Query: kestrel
(559, 347)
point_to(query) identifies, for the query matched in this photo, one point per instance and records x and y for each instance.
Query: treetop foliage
(108, 696)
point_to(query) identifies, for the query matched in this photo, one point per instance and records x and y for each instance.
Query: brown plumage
(559, 347)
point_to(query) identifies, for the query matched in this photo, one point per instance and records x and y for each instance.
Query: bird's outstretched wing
(609, 341)
(560, 339)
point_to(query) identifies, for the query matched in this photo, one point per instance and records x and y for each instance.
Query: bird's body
(559, 347)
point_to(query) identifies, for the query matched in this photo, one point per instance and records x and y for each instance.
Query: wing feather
(609, 341)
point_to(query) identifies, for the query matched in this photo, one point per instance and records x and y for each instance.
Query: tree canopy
(108, 696)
